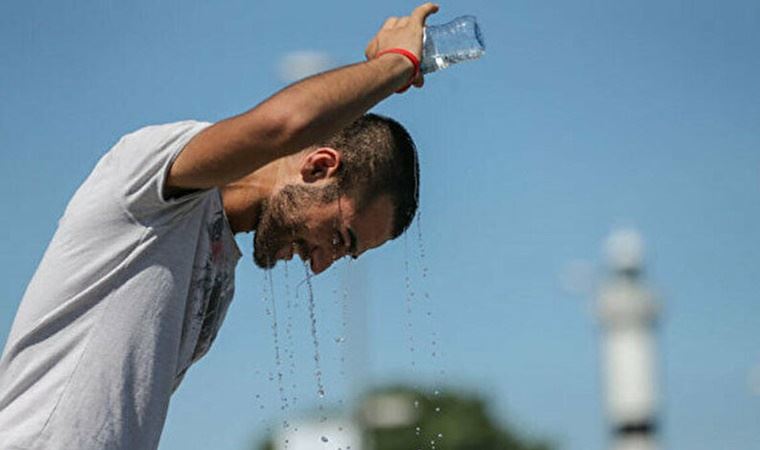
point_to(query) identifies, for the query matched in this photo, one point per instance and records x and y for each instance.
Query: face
(319, 226)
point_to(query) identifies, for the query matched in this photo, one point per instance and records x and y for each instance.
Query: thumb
(421, 13)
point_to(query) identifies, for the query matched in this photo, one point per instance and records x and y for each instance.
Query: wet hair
(379, 158)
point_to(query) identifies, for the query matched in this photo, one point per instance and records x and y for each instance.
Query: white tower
(628, 312)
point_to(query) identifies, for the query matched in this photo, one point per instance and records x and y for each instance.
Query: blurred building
(628, 314)
(316, 434)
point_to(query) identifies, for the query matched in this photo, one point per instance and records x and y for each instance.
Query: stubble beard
(282, 220)
(281, 223)
(272, 234)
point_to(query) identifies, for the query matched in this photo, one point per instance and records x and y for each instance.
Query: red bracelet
(412, 57)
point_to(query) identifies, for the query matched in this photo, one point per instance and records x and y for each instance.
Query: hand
(403, 32)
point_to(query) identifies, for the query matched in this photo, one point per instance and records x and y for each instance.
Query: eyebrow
(353, 244)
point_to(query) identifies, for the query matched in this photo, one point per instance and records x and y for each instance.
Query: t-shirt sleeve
(142, 160)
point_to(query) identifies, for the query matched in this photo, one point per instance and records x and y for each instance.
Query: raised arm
(303, 113)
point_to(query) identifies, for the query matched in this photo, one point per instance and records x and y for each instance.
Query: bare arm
(303, 113)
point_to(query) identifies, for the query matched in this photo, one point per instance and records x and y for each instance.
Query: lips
(287, 252)
(303, 251)
(306, 253)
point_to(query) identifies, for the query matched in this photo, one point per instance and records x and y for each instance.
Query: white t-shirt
(130, 292)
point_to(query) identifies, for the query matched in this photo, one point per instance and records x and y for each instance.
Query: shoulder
(161, 133)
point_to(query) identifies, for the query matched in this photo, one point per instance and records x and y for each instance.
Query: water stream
(272, 311)
(422, 336)
(315, 340)
(290, 307)
(428, 306)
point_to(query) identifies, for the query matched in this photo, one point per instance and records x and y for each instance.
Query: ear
(320, 164)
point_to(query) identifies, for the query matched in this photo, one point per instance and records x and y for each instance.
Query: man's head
(357, 190)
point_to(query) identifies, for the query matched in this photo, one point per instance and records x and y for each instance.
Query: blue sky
(583, 116)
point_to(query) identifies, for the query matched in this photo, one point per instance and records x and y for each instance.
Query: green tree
(447, 421)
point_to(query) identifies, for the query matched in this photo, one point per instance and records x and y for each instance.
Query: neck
(244, 199)
(242, 207)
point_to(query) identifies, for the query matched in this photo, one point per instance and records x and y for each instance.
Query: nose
(319, 264)
(321, 260)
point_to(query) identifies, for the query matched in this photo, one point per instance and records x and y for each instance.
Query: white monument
(628, 314)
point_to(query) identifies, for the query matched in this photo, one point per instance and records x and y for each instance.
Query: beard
(282, 221)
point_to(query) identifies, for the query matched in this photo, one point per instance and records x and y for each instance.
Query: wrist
(409, 60)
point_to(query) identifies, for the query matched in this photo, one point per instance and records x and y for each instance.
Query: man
(136, 282)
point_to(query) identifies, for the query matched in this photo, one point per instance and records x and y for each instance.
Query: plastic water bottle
(450, 43)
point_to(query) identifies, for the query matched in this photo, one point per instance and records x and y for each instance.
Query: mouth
(305, 253)
(287, 252)
(284, 254)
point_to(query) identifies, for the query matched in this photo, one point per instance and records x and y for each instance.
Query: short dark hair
(379, 158)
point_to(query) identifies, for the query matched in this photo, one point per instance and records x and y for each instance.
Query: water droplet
(440, 435)
(314, 339)
(324, 439)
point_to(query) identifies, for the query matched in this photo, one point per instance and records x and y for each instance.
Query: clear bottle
(450, 43)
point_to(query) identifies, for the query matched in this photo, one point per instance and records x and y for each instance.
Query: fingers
(418, 16)
(395, 22)
(390, 22)
(422, 12)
